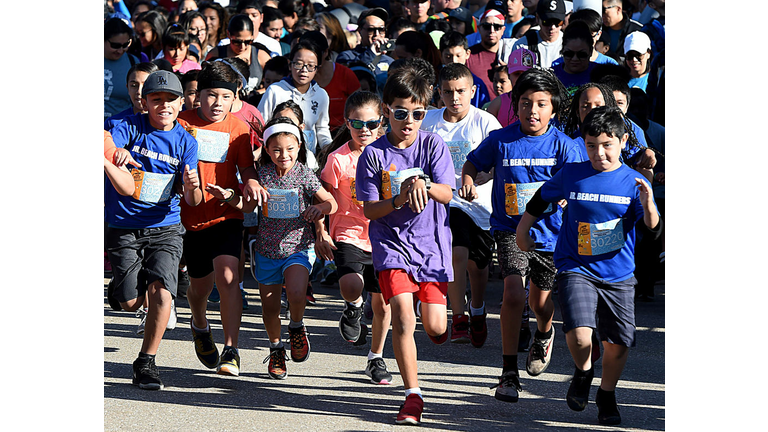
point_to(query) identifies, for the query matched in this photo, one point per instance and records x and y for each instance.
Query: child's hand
(219, 193)
(191, 180)
(123, 158)
(254, 191)
(324, 247)
(525, 242)
(313, 213)
(468, 192)
(417, 195)
(647, 159)
(482, 178)
(646, 192)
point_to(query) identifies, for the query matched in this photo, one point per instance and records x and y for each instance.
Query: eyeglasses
(491, 26)
(581, 55)
(299, 66)
(552, 22)
(115, 45)
(359, 124)
(401, 114)
(375, 30)
(196, 31)
(609, 7)
(241, 42)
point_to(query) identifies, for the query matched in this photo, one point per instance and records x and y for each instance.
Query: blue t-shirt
(627, 154)
(418, 243)
(572, 82)
(162, 155)
(117, 118)
(481, 94)
(598, 232)
(522, 163)
(116, 96)
(601, 59)
(641, 83)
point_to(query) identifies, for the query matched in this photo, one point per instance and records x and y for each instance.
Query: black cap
(162, 81)
(377, 12)
(549, 9)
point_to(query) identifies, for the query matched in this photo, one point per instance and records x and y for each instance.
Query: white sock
(358, 303)
(295, 324)
(205, 330)
(477, 311)
(372, 355)
(415, 390)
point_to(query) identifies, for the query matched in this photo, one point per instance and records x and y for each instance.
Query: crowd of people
(402, 148)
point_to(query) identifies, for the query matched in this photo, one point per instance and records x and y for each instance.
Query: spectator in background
(616, 26)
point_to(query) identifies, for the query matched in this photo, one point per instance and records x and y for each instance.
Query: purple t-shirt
(419, 243)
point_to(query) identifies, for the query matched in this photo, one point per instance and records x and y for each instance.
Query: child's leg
(478, 280)
(157, 317)
(270, 305)
(382, 318)
(542, 305)
(513, 302)
(403, 326)
(351, 287)
(296, 280)
(457, 289)
(614, 360)
(579, 342)
(434, 319)
(197, 296)
(226, 271)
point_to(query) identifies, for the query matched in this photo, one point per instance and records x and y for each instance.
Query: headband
(282, 127)
(492, 13)
(202, 85)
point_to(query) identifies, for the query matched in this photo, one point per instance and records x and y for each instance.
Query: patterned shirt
(282, 231)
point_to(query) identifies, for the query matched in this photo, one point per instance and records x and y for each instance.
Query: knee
(581, 337)
(404, 324)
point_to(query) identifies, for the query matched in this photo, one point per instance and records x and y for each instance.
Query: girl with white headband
(283, 251)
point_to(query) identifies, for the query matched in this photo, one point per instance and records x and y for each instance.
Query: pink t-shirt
(250, 114)
(188, 65)
(348, 224)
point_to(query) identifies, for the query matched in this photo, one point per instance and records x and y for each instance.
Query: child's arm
(192, 193)
(230, 197)
(326, 205)
(253, 191)
(468, 175)
(324, 245)
(378, 209)
(418, 194)
(121, 178)
(650, 213)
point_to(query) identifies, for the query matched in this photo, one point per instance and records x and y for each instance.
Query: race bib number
(459, 151)
(282, 204)
(152, 187)
(353, 192)
(212, 146)
(601, 238)
(518, 195)
(391, 180)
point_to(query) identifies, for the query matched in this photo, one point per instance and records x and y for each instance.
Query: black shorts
(201, 247)
(140, 257)
(513, 261)
(467, 234)
(352, 259)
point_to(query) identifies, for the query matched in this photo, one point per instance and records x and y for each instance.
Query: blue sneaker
(245, 302)
(214, 296)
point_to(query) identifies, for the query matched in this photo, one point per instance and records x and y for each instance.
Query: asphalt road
(330, 391)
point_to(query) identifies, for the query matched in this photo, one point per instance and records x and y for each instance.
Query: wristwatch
(427, 181)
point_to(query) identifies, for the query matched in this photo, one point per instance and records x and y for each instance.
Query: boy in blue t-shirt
(595, 254)
(523, 156)
(144, 234)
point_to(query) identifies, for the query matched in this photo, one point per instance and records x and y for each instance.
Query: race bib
(282, 204)
(353, 192)
(517, 197)
(601, 238)
(391, 180)
(212, 146)
(152, 187)
(459, 151)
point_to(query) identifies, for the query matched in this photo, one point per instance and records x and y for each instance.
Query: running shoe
(508, 388)
(377, 371)
(205, 348)
(524, 342)
(229, 363)
(141, 314)
(607, 409)
(478, 330)
(173, 318)
(146, 375)
(350, 323)
(460, 329)
(578, 392)
(214, 297)
(299, 344)
(439, 340)
(410, 410)
(276, 367)
(311, 296)
(540, 354)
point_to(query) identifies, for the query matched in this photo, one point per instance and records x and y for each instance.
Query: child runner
(348, 243)
(523, 156)
(144, 235)
(283, 252)
(411, 246)
(189, 81)
(519, 61)
(595, 254)
(214, 230)
(463, 127)
(455, 49)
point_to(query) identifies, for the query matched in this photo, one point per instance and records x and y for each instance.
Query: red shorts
(396, 281)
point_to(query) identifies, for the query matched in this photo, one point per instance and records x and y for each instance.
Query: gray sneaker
(172, 319)
(350, 323)
(508, 388)
(142, 315)
(540, 355)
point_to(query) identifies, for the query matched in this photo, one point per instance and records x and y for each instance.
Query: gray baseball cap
(162, 81)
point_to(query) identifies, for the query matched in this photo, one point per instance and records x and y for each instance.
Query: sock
(295, 324)
(372, 355)
(510, 362)
(540, 335)
(357, 303)
(230, 347)
(146, 357)
(477, 311)
(414, 390)
(278, 344)
(582, 373)
(199, 330)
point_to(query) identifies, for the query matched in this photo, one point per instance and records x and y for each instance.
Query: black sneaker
(350, 324)
(377, 370)
(524, 342)
(205, 348)
(578, 392)
(607, 409)
(113, 302)
(508, 387)
(146, 376)
(183, 284)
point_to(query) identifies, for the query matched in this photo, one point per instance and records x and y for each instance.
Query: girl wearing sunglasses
(576, 66)
(241, 36)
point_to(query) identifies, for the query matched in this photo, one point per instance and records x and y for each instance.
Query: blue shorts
(269, 271)
(583, 297)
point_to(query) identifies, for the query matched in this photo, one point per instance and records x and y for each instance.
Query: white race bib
(600, 238)
(282, 204)
(391, 180)
(212, 146)
(152, 187)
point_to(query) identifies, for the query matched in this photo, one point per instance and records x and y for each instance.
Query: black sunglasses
(635, 55)
(582, 55)
(359, 124)
(116, 45)
(552, 22)
(491, 26)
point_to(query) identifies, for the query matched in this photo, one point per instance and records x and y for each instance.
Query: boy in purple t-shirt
(411, 246)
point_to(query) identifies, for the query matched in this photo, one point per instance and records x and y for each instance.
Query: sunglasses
(401, 114)
(359, 124)
(581, 55)
(634, 55)
(299, 66)
(375, 30)
(241, 41)
(552, 22)
(491, 26)
(115, 45)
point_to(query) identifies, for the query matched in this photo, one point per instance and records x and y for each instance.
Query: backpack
(532, 36)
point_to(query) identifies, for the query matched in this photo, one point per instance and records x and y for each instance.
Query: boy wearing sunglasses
(547, 42)
(483, 54)
(404, 181)
(463, 127)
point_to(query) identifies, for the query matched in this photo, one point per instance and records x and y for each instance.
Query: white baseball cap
(637, 41)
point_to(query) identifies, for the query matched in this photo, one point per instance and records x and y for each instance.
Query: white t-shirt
(271, 43)
(461, 138)
(549, 51)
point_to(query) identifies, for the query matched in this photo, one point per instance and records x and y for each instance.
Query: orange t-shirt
(109, 147)
(348, 224)
(223, 148)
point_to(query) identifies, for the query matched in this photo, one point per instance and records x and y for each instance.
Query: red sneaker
(478, 330)
(410, 410)
(299, 344)
(439, 340)
(460, 329)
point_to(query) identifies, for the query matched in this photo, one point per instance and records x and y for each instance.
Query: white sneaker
(142, 315)
(172, 319)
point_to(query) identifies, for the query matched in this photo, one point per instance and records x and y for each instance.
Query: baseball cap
(551, 9)
(462, 14)
(377, 12)
(637, 41)
(162, 81)
(520, 60)
(498, 5)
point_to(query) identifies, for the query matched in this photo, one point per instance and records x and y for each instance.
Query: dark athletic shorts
(513, 261)
(581, 297)
(201, 247)
(467, 234)
(352, 259)
(142, 256)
